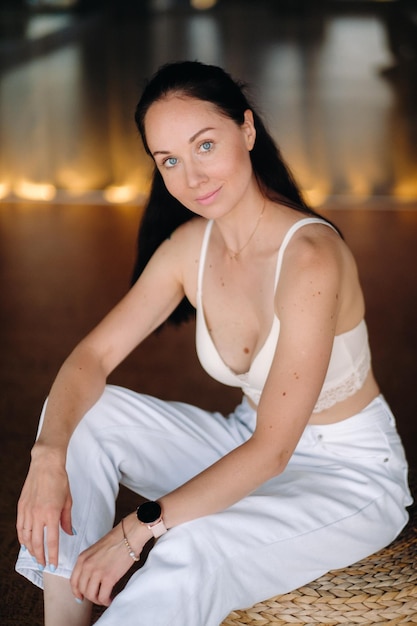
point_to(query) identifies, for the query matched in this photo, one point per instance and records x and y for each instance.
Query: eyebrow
(191, 140)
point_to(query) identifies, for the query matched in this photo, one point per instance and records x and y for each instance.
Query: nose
(194, 174)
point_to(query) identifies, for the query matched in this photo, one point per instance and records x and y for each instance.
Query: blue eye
(206, 146)
(170, 162)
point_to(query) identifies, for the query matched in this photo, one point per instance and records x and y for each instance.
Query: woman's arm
(307, 304)
(46, 500)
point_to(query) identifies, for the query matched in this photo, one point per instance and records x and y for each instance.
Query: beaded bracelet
(128, 546)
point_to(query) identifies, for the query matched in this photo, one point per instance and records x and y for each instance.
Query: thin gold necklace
(234, 254)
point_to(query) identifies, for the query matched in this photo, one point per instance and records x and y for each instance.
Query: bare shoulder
(184, 242)
(317, 246)
(316, 262)
(185, 247)
(194, 227)
(189, 235)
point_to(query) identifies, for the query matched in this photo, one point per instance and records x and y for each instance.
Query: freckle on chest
(246, 350)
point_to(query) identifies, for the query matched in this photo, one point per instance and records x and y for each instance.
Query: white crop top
(349, 362)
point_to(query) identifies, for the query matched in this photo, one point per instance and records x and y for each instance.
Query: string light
(35, 191)
(203, 5)
(119, 194)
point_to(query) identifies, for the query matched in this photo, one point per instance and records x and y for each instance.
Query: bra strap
(202, 261)
(288, 235)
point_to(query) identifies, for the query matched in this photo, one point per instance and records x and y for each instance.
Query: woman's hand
(45, 503)
(102, 565)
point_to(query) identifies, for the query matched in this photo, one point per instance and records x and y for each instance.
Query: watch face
(149, 512)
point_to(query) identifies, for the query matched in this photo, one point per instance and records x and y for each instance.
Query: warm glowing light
(360, 182)
(406, 189)
(35, 191)
(315, 196)
(203, 5)
(76, 182)
(4, 190)
(361, 189)
(119, 194)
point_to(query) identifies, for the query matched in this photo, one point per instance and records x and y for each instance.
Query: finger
(85, 579)
(66, 521)
(53, 545)
(105, 593)
(25, 538)
(38, 543)
(24, 531)
(28, 544)
(97, 590)
(75, 580)
(90, 586)
(23, 525)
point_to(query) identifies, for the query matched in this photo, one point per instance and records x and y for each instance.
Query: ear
(249, 130)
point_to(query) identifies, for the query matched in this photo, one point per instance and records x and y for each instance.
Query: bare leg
(61, 609)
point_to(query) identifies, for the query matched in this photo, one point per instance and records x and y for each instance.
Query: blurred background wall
(336, 80)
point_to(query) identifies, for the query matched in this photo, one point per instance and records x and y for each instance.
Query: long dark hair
(163, 213)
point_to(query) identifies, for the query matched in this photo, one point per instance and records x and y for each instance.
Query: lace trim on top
(349, 386)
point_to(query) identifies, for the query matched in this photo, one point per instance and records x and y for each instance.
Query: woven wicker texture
(381, 589)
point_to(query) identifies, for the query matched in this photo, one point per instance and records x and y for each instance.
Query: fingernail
(74, 532)
(78, 600)
(51, 567)
(41, 567)
(34, 559)
(23, 547)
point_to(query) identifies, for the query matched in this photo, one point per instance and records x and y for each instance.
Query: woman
(306, 475)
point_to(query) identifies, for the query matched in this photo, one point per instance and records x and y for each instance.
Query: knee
(104, 414)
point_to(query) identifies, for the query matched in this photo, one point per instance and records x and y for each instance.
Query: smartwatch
(150, 514)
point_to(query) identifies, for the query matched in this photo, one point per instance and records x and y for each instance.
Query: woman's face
(203, 156)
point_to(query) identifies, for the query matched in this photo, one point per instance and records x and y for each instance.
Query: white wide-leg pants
(342, 497)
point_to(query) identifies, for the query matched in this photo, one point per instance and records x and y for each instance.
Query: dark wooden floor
(350, 135)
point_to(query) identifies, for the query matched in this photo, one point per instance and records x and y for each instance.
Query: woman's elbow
(274, 458)
(279, 462)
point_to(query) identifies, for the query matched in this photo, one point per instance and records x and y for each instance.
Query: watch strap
(158, 528)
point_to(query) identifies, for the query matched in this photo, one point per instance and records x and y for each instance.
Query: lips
(208, 197)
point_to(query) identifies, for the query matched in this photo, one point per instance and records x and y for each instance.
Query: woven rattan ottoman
(381, 589)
